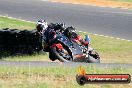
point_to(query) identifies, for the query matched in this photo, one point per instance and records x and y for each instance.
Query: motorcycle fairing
(59, 46)
(75, 49)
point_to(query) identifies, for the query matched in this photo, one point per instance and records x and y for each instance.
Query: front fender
(59, 46)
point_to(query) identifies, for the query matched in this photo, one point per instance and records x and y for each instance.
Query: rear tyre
(93, 58)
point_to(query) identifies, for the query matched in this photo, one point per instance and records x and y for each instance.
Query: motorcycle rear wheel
(93, 60)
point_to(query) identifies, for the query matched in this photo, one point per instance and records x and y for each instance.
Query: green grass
(16, 24)
(34, 57)
(54, 77)
(111, 50)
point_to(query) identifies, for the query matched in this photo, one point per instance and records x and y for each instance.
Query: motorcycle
(67, 50)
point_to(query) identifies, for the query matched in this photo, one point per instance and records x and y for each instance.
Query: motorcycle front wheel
(61, 54)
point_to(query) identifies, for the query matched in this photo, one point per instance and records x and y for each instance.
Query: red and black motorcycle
(66, 50)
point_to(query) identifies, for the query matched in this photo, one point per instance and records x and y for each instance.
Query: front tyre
(61, 54)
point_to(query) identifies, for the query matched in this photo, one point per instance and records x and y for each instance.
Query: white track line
(108, 36)
(78, 31)
(44, 0)
(16, 19)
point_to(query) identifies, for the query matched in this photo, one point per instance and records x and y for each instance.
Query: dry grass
(104, 3)
(52, 82)
(54, 77)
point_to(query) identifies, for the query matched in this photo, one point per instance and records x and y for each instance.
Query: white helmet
(41, 25)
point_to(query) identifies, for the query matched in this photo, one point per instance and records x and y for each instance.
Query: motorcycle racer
(48, 32)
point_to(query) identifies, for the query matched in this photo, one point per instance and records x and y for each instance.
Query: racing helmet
(60, 26)
(41, 25)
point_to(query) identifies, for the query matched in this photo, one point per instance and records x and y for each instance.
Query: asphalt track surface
(96, 20)
(54, 64)
(106, 21)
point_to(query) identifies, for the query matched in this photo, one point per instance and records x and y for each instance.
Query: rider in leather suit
(48, 32)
